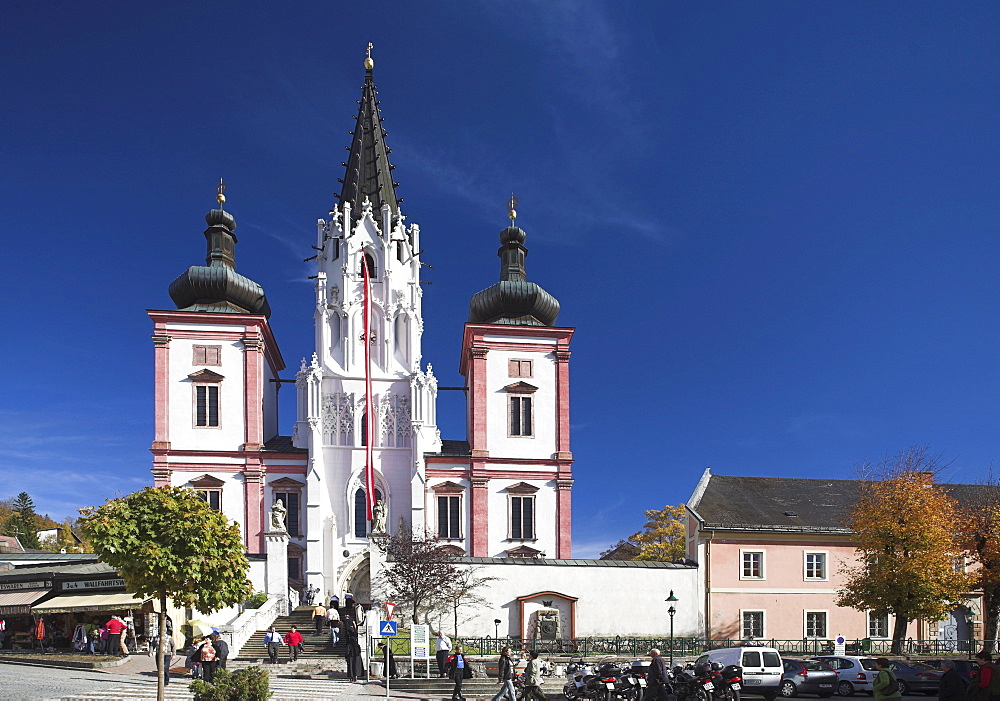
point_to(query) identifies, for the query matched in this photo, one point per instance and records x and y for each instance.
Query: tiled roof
(98, 568)
(788, 504)
(529, 561)
(282, 444)
(453, 448)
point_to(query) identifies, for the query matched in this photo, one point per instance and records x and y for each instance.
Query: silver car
(854, 673)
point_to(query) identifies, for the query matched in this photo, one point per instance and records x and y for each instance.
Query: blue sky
(774, 225)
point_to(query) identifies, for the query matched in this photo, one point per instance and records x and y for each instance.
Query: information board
(420, 645)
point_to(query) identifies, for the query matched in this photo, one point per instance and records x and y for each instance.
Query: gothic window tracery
(338, 418)
(395, 412)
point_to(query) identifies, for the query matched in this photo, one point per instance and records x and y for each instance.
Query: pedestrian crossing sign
(387, 629)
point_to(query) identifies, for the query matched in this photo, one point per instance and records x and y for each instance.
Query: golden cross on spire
(512, 208)
(220, 192)
(369, 64)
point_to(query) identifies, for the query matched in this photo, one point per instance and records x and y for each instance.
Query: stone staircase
(317, 659)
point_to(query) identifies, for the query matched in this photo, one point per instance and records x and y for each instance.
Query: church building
(504, 491)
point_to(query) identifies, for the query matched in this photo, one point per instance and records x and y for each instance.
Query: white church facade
(502, 494)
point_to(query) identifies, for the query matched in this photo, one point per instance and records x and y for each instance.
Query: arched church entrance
(357, 580)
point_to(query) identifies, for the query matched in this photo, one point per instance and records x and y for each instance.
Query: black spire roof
(513, 300)
(217, 287)
(368, 168)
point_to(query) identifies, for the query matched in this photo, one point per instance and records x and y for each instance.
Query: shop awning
(16, 602)
(68, 603)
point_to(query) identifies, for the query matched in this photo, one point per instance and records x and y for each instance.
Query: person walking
(333, 620)
(221, 650)
(206, 655)
(164, 648)
(986, 679)
(3, 631)
(885, 685)
(442, 649)
(352, 655)
(657, 676)
(533, 678)
(319, 618)
(272, 641)
(459, 670)
(505, 676)
(294, 642)
(952, 685)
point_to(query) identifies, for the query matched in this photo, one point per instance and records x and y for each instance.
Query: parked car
(966, 668)
(762, 668)
(808, 677)
(916, 676)
(854, 673)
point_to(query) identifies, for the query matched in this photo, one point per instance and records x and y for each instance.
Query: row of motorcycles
(611, 682)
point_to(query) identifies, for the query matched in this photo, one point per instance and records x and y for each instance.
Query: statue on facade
(378, 517)
(278, 512)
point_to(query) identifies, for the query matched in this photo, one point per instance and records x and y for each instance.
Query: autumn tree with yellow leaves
(661, 539)
(907, 544)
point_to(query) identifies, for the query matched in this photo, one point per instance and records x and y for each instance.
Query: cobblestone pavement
(31, 683)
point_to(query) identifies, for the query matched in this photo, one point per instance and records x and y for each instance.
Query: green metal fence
(689, 647)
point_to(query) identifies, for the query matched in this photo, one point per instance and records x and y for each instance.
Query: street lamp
(496, 628)
(671, 599)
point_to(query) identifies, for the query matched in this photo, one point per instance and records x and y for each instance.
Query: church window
(399, 251)
(207, 355)
(291, 502)
(522, 517)
(520, 416)
(295, 568)
(364, 428)
(213, 497)
(361, 512)
(206, 405)
(449, 516)
(370, 263)
(519, 368)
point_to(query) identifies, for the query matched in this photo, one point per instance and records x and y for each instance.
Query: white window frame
(805, 624)
(206, 492)
(510, 517)
(763, 563)
(218, 407)
(826, 566)
(869, 617)
(278, 493)
(461, 513)
(510, 415)
(763, 621)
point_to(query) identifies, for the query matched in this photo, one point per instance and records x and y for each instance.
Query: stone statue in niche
(378, 517)
(278, 512)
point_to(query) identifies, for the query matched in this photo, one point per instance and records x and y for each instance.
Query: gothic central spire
(368, 169)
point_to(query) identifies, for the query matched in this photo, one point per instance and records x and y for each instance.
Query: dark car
(808, 677)
(966, 668)
(916, 676)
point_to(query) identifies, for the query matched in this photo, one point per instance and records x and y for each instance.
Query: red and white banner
(369, 401)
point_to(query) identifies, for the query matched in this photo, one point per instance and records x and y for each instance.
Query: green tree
(463, 591)
(907, 543)
(23, 522)
(168, 542)
(662, 538)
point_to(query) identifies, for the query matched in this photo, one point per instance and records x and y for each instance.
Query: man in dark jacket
(952, 685)
(658, 675)
(505, 674)
(221, 650)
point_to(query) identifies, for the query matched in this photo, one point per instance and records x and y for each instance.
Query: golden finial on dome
(512, 208)
(369, 64)
(220, 192)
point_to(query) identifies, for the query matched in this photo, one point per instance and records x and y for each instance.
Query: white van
(762, 667)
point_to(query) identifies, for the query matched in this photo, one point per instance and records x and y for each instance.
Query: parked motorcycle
(688, 686)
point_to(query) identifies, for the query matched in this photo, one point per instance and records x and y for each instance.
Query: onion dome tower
(513, 300)
(217, 287)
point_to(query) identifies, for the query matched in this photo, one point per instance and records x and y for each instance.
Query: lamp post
(671, 599)
(496, 628)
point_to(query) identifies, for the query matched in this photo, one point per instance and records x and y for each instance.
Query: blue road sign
(387, 629)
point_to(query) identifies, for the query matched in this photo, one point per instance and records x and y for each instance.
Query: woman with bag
(885, 685)
(459, 670)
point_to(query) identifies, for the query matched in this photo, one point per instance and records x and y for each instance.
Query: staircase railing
(249, 622)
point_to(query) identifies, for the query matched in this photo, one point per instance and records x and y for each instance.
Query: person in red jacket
(116, 627)
(294, 642)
